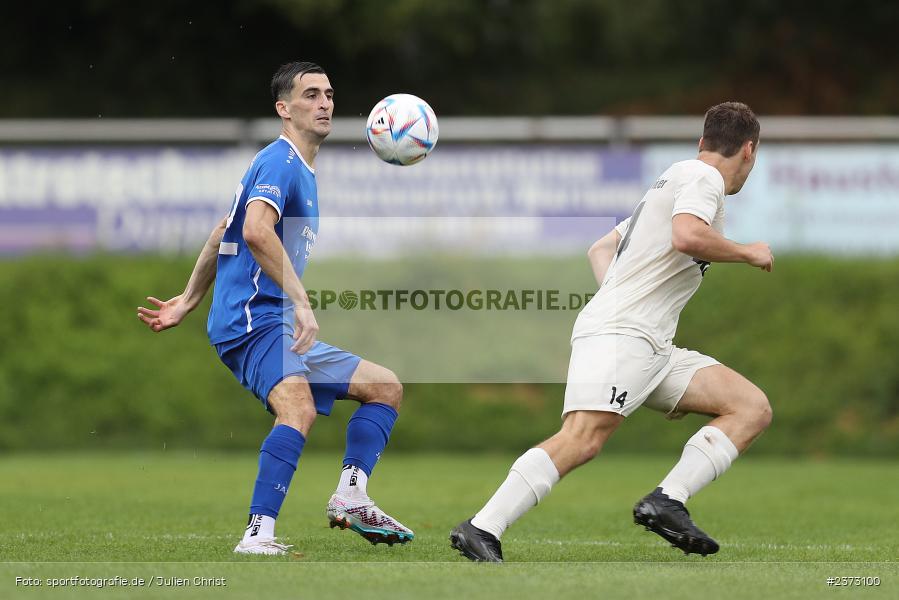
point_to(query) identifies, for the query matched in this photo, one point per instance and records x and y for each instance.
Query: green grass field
(784, 527)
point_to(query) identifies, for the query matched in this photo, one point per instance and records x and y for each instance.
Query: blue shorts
(261, 359)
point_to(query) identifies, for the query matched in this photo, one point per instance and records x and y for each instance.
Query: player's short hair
(728, 126)
(282, 80)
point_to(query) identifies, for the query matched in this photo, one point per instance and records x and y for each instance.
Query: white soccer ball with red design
(402, 129)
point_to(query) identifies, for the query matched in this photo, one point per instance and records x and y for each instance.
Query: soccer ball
(402, 129)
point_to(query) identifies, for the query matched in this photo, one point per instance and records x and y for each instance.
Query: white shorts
(619, 373)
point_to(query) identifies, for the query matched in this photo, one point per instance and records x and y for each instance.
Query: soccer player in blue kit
(264, 330)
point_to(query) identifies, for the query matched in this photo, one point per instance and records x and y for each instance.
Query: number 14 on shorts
(619, 398)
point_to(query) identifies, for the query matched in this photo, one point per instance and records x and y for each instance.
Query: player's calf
(368, 432)
(583, 434)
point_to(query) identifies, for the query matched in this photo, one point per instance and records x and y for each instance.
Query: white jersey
(648, 282)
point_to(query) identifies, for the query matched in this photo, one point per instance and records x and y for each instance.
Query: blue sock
(367, 434)
(278, 459)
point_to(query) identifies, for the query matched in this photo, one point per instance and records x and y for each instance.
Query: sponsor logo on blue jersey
(263, 188)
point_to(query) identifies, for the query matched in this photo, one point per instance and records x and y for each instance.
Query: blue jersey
(245, 298)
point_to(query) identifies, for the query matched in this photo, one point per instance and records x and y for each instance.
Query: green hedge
(77, 370)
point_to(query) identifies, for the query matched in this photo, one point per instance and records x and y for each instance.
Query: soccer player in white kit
(622, 354)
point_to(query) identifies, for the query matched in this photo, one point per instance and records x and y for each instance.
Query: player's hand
(305, 330)
(759, 255)
(170, 313)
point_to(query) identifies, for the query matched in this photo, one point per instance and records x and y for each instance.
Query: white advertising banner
(836, 199)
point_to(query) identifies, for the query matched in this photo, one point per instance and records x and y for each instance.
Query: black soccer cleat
(475, 544)
(671, 520)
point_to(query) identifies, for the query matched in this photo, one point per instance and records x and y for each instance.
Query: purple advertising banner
(168, 199)
(818, 198)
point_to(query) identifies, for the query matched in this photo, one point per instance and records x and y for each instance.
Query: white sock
(259, 526)
(353, 482)
(530, 479)
(707, 455)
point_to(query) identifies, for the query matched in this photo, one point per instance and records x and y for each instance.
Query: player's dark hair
(728, 126)
(282, 80)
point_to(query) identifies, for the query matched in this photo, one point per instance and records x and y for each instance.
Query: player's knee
(758, 411)
(298, 415)
(305, 416)
(395, 395)
(764, 412)
(391, 392)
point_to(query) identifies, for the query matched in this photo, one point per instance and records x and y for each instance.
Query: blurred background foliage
(819, 338)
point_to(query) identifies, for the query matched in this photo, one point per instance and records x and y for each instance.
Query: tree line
(103, 58)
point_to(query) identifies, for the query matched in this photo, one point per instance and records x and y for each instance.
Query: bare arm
(694, 237)
(204, 270)
(262, 240)
(601, 254)
(173, 311)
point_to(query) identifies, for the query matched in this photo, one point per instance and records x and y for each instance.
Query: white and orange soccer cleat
(367, 520)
